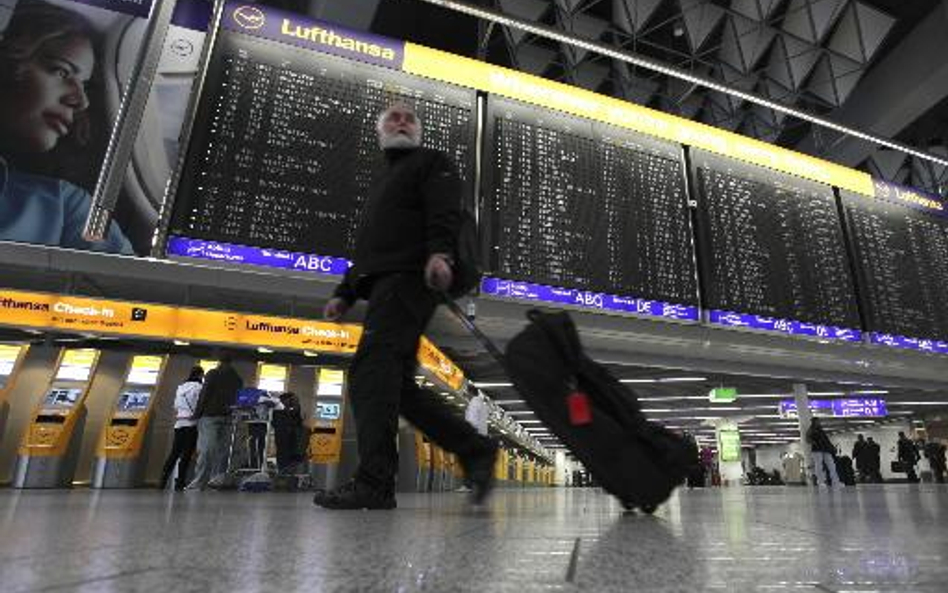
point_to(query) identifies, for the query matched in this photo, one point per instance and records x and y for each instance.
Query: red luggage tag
(579, 411)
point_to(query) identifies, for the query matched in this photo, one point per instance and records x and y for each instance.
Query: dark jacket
(290, 415)
(413, 210)
(219, 392)
(908, 453)
(818, 440)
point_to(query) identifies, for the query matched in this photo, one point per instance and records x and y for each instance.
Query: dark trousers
(382, 382)
(258, 443)
(288, 446)
(185, 441)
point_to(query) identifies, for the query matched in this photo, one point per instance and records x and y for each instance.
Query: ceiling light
(520, 412)
(509, 401)
(181, 343)
(649, 64)
(312, 354)
(264, 350)
(530, 421)
(682, 379)
(488, 385)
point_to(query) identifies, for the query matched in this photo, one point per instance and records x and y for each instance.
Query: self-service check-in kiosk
(11, 357)
(325, 442)
(122, 451)
(50, 448)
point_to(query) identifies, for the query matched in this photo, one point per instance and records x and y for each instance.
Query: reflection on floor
(870, 538)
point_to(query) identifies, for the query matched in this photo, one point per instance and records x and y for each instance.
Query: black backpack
(467, 261)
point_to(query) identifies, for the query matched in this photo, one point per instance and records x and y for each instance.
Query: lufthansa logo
(249, 17)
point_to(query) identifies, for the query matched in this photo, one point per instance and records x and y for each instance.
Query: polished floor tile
(870, 538)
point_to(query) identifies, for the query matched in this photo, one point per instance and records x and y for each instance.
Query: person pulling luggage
(403, 259)
(823, 452)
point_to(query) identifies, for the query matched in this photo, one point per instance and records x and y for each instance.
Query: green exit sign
(723, 394)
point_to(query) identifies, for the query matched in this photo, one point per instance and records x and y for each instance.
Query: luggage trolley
(252, 406)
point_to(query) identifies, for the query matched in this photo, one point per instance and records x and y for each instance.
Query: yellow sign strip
(462, 71)
(19, 308)
(433, 360)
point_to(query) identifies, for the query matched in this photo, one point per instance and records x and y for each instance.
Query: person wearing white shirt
(185, 429)
(477, 415)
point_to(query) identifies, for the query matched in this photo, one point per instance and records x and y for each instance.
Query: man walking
(403, 258)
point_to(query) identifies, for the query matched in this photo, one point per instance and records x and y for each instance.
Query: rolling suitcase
(594, 415)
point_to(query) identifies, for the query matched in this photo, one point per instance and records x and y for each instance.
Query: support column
(731, 471)
(560, 468)
(802, 399)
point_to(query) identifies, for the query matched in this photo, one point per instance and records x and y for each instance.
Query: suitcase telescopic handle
(488, 344)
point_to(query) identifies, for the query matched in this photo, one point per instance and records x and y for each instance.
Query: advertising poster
(64, 65)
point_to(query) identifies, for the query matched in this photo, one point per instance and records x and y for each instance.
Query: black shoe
(354, 495)
(479, 470)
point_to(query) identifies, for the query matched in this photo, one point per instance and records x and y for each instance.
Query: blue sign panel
(919, 344)
(786, 326)
(856, 407)
(526, 291)
(257, 256)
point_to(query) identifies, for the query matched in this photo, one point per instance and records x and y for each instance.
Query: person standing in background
(874, 454)
(822, 452)
(185, 429)
(908, 457)
(860, 457)
(213, 413)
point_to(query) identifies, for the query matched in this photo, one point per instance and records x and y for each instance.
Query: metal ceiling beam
(906, 83)
(649, 64)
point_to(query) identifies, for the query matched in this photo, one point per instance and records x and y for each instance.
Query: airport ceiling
(813, 55)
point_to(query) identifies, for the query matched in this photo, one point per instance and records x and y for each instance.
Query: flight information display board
(286, 148)
(772, 245)
(580, 205)
(900, 244)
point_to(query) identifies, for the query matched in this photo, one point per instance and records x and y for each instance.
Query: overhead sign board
(856, 407)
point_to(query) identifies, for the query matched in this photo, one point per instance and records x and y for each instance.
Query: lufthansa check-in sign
(287, 27)
(50, 311)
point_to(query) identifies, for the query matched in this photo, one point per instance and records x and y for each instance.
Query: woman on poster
(47, 60)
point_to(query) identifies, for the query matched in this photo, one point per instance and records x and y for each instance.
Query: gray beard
(398, 141)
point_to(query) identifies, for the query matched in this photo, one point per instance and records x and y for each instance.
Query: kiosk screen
(62, 397)
(328, 411)
(133, 401)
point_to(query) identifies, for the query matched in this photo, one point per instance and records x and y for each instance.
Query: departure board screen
(902, 264)
(772, 244)
(578, 204)
(285, 147)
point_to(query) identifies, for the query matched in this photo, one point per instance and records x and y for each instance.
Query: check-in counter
(500, 467)
(324, 452)
(11, 359)
(437, 468)
(50, 447)
(122, 451)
